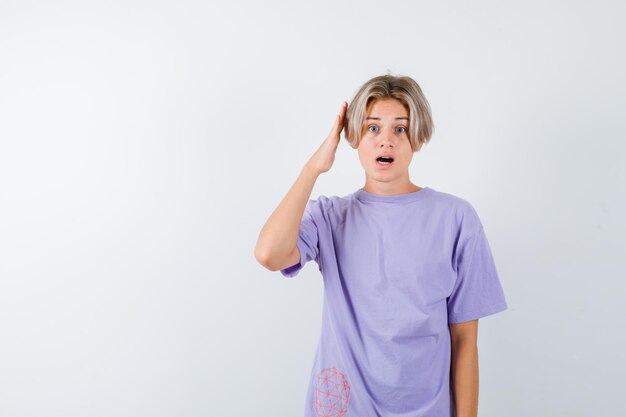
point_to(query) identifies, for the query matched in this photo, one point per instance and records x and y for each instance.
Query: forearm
(279, 235)
(464, 374)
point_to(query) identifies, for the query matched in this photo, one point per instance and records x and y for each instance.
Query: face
(385, 132)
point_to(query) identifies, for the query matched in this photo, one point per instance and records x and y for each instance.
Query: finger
(338, 123)
(334, 128)
(344, 109)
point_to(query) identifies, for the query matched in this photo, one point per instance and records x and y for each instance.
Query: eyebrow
(378, 118)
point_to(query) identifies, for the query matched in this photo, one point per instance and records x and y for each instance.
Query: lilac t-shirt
(396, 270)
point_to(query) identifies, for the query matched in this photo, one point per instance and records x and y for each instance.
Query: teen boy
(407, 270)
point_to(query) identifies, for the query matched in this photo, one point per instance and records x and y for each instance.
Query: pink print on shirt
(331, 393)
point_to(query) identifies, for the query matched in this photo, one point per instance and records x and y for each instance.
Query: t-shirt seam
(397, 203)
(492, 308)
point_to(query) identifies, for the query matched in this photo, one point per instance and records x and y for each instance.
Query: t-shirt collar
(366, 197)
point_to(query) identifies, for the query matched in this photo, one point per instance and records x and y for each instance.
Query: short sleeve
(477, 291)
(308, 239)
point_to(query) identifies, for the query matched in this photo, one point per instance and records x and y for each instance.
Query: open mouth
(384, 161)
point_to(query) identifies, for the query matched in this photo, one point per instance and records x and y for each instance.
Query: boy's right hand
(324, 157)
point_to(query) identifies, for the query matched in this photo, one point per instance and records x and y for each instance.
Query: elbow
(262, 257)
(266, 260)
(272, 261)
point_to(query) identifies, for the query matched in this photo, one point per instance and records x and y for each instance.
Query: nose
(386, 139)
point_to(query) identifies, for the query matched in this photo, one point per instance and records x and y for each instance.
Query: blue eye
(372, 126)
(403, 129)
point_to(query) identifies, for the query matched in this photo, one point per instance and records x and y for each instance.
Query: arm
(276, 246)
(464, 367)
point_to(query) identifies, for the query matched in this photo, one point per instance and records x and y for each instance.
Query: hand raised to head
(322, 160)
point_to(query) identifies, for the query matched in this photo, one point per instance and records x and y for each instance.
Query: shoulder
(331, 202)
(329, 208)
(462, 212)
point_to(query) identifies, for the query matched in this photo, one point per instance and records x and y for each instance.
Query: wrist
(311, 170)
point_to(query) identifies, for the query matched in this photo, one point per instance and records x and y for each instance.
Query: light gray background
(143, 145)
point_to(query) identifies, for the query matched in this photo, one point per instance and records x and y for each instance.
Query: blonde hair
(406, 91)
